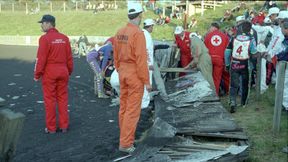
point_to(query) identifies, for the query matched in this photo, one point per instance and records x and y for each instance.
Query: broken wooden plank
(158, 80)
(207, 147)
(177, 70)
(122, 158)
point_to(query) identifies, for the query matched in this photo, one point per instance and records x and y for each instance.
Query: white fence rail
(33, 40)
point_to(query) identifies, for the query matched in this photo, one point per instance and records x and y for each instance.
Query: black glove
(227, 68)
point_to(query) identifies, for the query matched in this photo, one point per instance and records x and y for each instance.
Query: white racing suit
(285, 94)
(262, 32)
(150, 52)
(275, 45)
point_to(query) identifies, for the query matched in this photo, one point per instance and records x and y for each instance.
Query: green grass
(256, 119)
(102, 24)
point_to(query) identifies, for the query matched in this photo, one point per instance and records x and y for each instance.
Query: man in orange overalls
(130, 59)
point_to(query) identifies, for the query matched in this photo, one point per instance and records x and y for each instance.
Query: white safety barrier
(33, 40)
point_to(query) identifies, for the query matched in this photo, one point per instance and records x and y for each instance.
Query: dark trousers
(253, 62)
(270, 69)
(234, 85)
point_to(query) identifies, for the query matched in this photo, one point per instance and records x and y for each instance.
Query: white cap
(148, 22)
(178, 30)
(267, 20)
(134, 7)
(240, 18)
(282, 15)
(273, 10)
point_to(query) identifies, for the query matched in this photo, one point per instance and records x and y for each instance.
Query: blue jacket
(283, 55)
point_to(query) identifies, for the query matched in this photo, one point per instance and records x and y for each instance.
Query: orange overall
(130, 59)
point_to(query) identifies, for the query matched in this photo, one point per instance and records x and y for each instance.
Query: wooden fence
(196, 6)
(32, 8)
(279, 91)
(279, 95)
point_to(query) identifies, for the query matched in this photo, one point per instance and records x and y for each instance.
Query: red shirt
(183, 44)
(54, 48)
(216, 42)
(258, 19)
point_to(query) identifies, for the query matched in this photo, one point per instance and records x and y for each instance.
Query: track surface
(93, 133)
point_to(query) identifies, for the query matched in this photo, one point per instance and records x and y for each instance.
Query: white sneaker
(129, 150)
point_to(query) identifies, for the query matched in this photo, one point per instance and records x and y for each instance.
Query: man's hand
(148, 87)
(190, 66)
(187, 67)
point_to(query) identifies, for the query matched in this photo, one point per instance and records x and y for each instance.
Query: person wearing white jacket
(274, 46)
(262, 32)
(147, 29)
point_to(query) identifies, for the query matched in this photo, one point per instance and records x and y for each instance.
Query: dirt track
(92, 137)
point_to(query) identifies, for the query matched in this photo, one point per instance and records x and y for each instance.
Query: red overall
(185, 52)
(216, 42)
(54, 64)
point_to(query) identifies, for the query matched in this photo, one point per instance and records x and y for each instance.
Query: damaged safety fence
(191, 125)
(281, 97)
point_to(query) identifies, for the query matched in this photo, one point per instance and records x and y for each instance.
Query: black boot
(232, 109)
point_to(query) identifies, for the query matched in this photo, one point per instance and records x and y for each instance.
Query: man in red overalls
(216, 42)
(182, 41)
(54, 64)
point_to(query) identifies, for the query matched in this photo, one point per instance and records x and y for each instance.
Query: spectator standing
(148, 29)
(54, 64)
(283, 56)
(130, 59)
(274, 44)
(216, 42)
(82, 45)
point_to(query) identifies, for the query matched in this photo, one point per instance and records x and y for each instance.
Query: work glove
(227, 68)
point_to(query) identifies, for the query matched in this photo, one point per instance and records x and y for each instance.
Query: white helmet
(240, 18)
(282, 15)
(178, 30)
(148, 22)
(273, 10)
(134, 7)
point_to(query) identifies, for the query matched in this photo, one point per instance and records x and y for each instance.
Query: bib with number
(241, 49)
